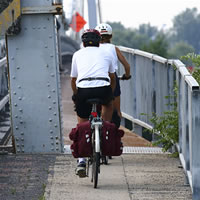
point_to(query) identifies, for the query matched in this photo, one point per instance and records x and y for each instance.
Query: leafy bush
(167, 128)
(167, 125)
(195, 59)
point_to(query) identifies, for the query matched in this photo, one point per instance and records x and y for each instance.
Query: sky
(158, 13)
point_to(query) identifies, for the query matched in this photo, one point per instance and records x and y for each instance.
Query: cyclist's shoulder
(81, 51)
(108, 48)
(107, 45)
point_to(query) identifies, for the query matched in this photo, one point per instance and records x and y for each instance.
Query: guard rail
(153, 79)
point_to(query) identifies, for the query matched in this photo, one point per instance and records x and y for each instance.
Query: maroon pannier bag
(82, 142)
(111, 139)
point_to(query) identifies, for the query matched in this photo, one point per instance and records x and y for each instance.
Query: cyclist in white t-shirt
(106, 35)
(92, 76)
(92, 73)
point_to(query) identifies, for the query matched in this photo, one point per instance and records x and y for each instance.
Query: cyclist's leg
(107, 111)
(80, 120)
(81, 107)
(107, 104)
(83, 110)
(117, 93)
(116, 106)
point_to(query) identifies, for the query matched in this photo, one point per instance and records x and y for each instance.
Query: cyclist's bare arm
(112, 81)
(73, 85)
(124, 62)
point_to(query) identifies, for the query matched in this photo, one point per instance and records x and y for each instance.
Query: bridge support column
(92, 13)
(34, 79)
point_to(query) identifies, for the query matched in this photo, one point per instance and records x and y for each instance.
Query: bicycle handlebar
(124, 77)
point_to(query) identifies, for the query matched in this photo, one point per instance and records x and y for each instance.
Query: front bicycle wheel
(95, 168)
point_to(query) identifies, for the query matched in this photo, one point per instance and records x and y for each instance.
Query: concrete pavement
(128, 177)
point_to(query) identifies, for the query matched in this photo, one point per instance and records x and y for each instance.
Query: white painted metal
(2, 62)
(192, 83)
(4, 101)
(137, 121)
(3, 78)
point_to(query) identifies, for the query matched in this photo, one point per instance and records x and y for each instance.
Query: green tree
(180, 49)
(158, 46)
(116, 26)
(186, 27)
(148, 30)
(132, 38)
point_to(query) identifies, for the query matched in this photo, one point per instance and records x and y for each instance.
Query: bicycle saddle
(94, 101)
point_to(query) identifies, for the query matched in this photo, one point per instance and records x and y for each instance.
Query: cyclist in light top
(105, 43)
(92, 76)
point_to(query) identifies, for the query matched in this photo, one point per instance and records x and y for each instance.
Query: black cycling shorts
(117, 91)
(83, 108)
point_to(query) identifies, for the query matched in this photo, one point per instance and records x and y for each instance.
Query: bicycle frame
(96, 124)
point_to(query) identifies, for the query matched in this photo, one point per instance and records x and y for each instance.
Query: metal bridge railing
(3, 83)
(153, 79)
(4, 107)
(189, 126)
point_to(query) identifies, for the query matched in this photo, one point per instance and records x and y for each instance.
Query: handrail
(189, 126)
(4, 101)
(2, 62)
(4, 83)
(145, 84)
(152, 80)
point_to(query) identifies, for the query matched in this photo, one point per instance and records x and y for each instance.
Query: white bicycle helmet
(104, 29)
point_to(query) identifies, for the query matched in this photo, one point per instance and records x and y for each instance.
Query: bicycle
(95, 140)
(96, 126)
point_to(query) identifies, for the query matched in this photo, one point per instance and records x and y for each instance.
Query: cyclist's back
(88, 62)
(92, 74)
(110, 49)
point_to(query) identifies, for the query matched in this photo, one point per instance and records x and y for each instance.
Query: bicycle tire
(95, 168)
(104, 160)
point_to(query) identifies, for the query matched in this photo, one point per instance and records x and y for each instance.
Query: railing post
(195, 146)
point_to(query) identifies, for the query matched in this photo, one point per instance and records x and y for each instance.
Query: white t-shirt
(111, 49)
(91, 62)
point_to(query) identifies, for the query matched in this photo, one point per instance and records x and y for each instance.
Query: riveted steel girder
(34, 80)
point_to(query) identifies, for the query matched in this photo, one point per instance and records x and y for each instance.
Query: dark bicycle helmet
(91, 37)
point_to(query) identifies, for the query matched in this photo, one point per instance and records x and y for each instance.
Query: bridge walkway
(129, 177)
(143, 175)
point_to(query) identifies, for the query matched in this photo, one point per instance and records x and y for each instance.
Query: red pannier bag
(82, 140)
(111, 139)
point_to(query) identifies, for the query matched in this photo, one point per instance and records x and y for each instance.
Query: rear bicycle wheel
(96, 168)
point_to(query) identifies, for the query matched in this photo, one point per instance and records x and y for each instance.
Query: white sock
(81, 160)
